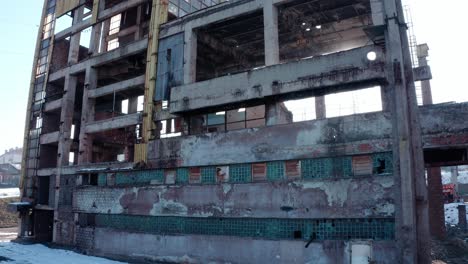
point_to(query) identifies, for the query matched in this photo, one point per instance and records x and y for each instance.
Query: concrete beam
(86, 168)
(50, 138)
(343, 69)
(114, 123)
(137, 82)
(101, 59)
(53, 105)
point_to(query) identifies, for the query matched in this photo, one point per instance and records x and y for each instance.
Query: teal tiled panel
(317, 168)
(182, 176)
(208, 175)
(267, 228)
(240, 173)
(275, 170)
(102, 179)
(343, 166)
(139, 177)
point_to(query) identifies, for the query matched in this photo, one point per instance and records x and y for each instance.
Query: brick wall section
(436, 203)
(85, 238)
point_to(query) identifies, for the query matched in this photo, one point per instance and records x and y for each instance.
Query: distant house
(9, 175)
(12, 156)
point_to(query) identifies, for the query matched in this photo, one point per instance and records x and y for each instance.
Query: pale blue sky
(443, 25)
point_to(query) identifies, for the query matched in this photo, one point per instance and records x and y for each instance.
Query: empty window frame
(171, 128)
(241, 118)
(302, 109)
(353, 102)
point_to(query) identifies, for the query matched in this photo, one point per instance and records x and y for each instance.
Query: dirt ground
(452, 250)
(7, 219)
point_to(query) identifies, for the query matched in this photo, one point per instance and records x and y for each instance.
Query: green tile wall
(266, 228)
(317, 168)
(139, 177)
(208, 175)
(102, 179)
(182, 176)
(275, 170)
(240, 173)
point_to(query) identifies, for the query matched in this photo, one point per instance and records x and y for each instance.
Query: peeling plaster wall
(348, 135)
(349, 198)
(211, 249)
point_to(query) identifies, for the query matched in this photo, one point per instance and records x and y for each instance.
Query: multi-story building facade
(163, 130)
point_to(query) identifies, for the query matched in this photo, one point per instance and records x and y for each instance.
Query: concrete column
(454, 176)
(412, 224)
(75, 38)
(320, 107)
(270, 21)
(462, 216)
(87, 115)
(104, 34)
(133, 105)
(190, 54)
(423, 53)
(436, 203)
(95, 39)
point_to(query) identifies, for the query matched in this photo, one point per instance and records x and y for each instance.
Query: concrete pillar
(270, 21)
(75, 38)
(94, 42)
(436, 203)
(462, 216)
(423, 53)
(104, 34)
(276, 114)
(133, 105)
(190, 54)
(454, 176)
(412, 224)
(320, 107)
(87, 115)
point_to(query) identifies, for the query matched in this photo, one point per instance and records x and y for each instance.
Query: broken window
(171, 128)
(302, 109)
(353, 102)
(241, 118)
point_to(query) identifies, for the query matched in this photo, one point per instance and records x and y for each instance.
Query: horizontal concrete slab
(137, 82)
(104, 58)
(50, 138)
(343, 69)
(113, 123)
(216, 249)
(53, 105)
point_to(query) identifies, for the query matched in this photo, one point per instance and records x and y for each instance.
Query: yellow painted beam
(159, 15)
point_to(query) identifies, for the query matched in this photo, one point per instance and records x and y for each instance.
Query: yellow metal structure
(159, 16)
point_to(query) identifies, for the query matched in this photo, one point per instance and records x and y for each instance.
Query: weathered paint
(339, 69)
(219, 249)
(303, 199)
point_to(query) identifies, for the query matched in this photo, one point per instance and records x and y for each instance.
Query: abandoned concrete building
(200, 131)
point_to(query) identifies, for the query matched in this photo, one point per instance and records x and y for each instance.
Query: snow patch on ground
(40, 254)
(9, 192)
(451, 213)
